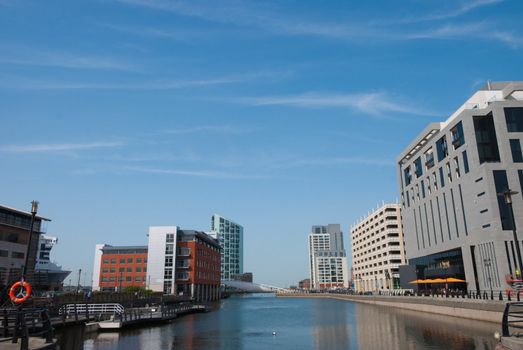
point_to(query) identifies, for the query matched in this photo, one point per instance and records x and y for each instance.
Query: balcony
(184, 264)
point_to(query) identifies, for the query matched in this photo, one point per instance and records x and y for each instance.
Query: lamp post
(34, 210)
(507, 195)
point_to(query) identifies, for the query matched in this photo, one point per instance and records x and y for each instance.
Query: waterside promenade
(474, 309)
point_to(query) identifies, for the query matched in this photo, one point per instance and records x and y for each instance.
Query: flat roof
(22, 212)
(202, 235)
(108, 248)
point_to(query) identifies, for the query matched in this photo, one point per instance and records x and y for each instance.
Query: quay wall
(474, 309)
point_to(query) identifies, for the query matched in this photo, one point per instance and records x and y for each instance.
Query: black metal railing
(512, 321)
(18, 324)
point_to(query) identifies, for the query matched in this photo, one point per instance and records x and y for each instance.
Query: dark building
(14, 237)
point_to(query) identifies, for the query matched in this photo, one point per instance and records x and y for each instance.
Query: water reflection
(384, 327)
(247, 323)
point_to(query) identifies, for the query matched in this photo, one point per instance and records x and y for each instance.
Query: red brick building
(121, 267)
(198, 265)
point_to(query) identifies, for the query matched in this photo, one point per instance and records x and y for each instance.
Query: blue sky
(119, 115)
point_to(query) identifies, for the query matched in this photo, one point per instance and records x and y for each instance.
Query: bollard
(508, 296)
(518, 295)
(491, 295)
(500, 296)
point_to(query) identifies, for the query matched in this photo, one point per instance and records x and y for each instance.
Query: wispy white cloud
(479, 30)
(192, 173)
(31, 57)
(340, 161)
(373, 103)
(221, 129)
(165, 84)
(255, 15)
(57, 147)
(462, 8)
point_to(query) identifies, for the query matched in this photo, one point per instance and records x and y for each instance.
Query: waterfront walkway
(475, 309)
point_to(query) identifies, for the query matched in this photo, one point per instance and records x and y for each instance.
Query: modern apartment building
(230, 236)
(14, 237)
(378, 250)
(118, 267)
(183, 262)
(455, 223)
(327, 258)
(198, 262)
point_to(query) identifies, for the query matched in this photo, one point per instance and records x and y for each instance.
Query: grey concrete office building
(454, 222)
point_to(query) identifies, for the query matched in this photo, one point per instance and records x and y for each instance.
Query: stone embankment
(474, 309)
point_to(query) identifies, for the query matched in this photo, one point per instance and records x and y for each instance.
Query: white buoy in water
(273, 333)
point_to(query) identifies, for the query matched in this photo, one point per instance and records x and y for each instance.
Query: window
(449, 172)
(408, 198)
(106, 261)
(113, 261)
(122, 269)
(408, 176)
(514, 119)
(422, 189)
(501, 184)
(113, 269)
(128, 279)
(169, 249)
(456, 167)
(168, 274)
(441, 148)
(429, 158)
(129, 269)
(168, 261)
(122, 261)
(4, 253)
(515, 148)
(419, 168)
(170, 238)
(435, 181)
(520, 175)
(458, 138)
(465, 162)
(130, 260)
(138, 269)
(441, 178)
(138, 279)
(429, 188)
(138, 260)
(486, 140)
(17, 255)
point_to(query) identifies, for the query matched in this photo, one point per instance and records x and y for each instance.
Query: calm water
(248, 322)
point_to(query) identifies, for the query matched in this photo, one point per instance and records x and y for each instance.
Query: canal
(248, 322)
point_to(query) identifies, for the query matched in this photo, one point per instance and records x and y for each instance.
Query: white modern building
(161, 258)
(378, 250)
(455, 223)
(327, 258)
(230, 236)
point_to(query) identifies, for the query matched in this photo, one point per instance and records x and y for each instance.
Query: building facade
(378, 250)
(183, 262)
(455, 223)
(118, 267)
(14, 237)
(198, 262)
(230, 236)
(327, 258)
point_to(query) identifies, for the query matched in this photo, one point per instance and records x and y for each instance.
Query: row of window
(14, 255)
(125, 269)
(127, 279)
(124, 261)
(390, 211)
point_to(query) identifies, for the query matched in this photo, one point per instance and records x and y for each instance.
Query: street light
(507, 195)
(34, 210)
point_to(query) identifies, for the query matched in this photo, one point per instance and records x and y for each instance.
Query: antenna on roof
(488, 85)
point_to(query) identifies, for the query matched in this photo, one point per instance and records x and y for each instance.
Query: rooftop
(22, 212)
